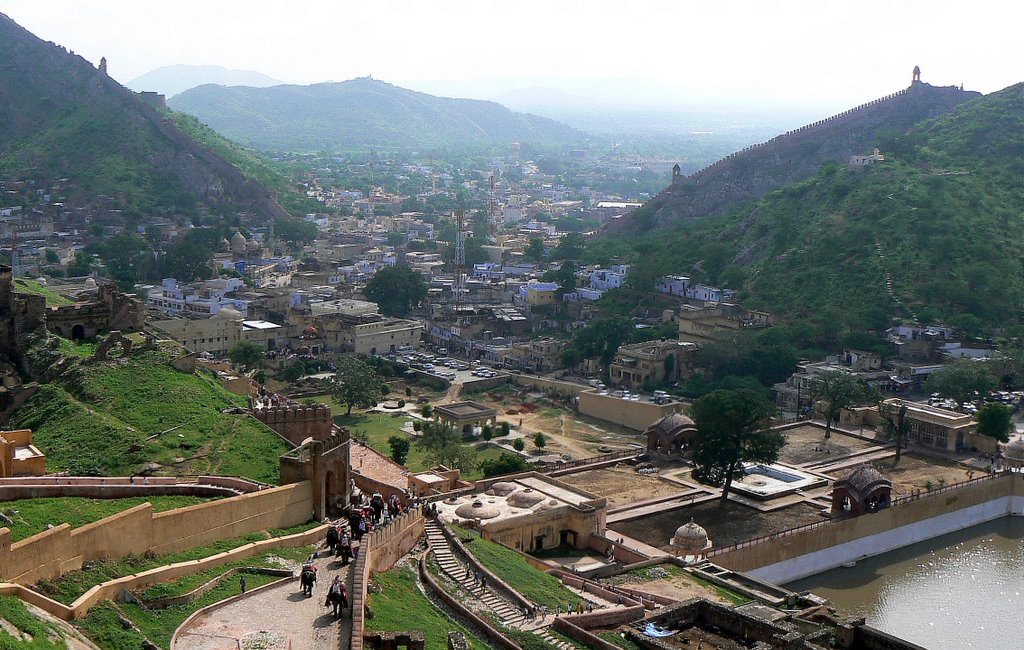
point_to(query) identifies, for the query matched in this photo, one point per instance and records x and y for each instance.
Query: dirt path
(275, 618)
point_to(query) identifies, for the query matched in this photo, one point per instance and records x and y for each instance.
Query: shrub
(401, 403)
(540, 440)
(487, 432)
(416, 425)
(504, 429)
(518, 444)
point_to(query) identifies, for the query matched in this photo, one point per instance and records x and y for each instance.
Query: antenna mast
(459, 284)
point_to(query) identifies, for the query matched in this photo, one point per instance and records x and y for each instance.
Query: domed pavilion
(690, 540)
(670, 435)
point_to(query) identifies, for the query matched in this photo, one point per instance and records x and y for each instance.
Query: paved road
(271, 618)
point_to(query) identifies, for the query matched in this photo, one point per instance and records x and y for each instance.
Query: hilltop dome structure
(229, 313)
(865, 490)
(690, 540)
(238, 243)
(476, 510)
(671, 435)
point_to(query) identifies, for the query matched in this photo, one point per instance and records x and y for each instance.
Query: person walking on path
(241, 583)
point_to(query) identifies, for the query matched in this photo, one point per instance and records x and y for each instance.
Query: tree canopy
(396, 289)
(356, 383)
(837, 390)
(534, 250)
(994, 421)
(442, 445)
(732, 429)
(247, 354)
(601, 338)
(962, 381)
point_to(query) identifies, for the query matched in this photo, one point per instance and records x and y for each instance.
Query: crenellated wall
(298, 422)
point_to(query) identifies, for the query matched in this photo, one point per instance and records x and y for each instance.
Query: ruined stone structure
(325, 464)
(298, 422)
(395, 640)
(20, 317)
(863, 491)
(18, 456)
(112, 310)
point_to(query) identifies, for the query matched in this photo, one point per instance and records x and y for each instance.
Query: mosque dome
(476, 510)
(229, 313)
(238, 242)
(690, 538)
(672, 423)
(1014, 450)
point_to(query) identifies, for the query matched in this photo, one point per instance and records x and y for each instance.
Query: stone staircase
(507, 613)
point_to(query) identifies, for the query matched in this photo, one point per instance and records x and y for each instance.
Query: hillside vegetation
(114, 417)
(942, 220)
(360, 113)
(63, 118)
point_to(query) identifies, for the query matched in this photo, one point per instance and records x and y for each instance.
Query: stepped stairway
(509, 614)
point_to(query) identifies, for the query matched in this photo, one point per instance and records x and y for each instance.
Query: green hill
(63, 118)
(360, 113)
(942, 219)
(114, 417)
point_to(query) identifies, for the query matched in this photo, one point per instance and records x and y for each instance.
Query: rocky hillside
(794, 156)
(360, 113)
(63, 118)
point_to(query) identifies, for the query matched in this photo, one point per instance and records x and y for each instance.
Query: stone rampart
(298, 422)
(50, 554)
(807, 550)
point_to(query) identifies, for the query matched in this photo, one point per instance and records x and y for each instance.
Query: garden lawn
(34, 514)
(537, 586)
(32, 287)
(378, 427)
(399, 605)
(71, 586)
(681, 575)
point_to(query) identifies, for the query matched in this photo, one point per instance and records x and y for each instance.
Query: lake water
(962, 590)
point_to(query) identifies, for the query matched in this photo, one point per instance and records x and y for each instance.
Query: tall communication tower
(492, 219)
(459, 283)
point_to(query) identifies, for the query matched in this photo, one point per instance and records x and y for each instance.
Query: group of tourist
(339, 543)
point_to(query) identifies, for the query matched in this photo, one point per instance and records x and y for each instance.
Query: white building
(199, 299)
(675, 285)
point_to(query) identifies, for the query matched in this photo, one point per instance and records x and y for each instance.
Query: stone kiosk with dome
(690, 541)
(670, 436)
(528, 512)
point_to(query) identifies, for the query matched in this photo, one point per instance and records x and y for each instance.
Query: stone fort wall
(298, 422)
(57, 551)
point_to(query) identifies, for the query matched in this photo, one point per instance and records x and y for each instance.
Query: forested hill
(60, 117)
(940, 221)
(793, 156)
(361, 113)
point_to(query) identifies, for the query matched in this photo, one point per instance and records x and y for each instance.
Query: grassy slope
(539, 587)
(96, 420)
(400, 606)
(34, 514)
(43, 635)
(952, 242)
(32, 287)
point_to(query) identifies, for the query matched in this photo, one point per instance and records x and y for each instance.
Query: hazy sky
(712, 52)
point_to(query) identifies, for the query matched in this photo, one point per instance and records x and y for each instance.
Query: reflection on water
(962, 590)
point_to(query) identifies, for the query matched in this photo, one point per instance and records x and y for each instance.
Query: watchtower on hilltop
(916, 79)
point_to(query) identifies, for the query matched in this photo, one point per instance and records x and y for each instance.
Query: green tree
(442, 445)
(396, 289)
(486, 432)
(504, 430)
(570, 358)
(602, 337)
(248, 355)
(399, 449)
(506, 463)
(295, 232)
(540, 440)
(837, 390)
(570, 247)
(534, 250)
(356, 383)
(895, 424)
(565, 276)
(518, 444)
(732, 429)
(994, 421)
(962, 381)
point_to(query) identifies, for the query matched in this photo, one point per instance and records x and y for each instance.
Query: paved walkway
(273, 618)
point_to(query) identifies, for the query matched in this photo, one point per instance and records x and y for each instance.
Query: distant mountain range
(361, 113)
(173, 79)
(64, 118)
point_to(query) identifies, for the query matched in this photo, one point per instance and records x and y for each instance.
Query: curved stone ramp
(276, 616)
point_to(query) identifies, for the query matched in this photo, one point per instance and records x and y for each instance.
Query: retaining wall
(50, 554)
(792, 555)
(378, 552)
